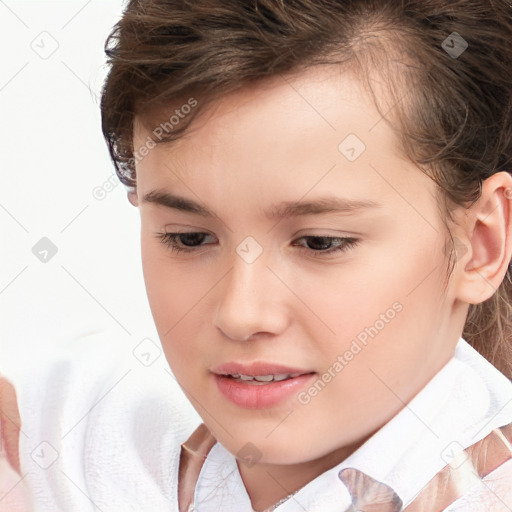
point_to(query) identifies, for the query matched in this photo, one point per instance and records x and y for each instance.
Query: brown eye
(320, 245)
(189, 241)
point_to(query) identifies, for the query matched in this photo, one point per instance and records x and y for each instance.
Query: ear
(488, 238)
(132, 196)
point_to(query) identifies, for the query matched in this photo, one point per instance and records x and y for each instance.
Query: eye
(188, 240)
(317, 246)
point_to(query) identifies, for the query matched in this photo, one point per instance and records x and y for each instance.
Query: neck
(269, 484)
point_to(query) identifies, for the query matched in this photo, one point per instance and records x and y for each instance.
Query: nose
(251, 301)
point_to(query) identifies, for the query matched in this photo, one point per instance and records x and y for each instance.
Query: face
(349, 298)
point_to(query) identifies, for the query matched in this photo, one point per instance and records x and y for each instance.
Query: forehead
(284, 134)
(313, 87)
(322, 100)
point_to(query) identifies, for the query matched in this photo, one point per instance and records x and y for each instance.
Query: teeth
(281, 376)
(265, 378)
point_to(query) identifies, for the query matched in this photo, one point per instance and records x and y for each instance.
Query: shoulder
(493, 492)
(488, 477)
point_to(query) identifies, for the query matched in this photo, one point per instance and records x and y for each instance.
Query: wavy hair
(447, 67)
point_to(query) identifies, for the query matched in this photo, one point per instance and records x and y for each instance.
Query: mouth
(259, 370)
(260, 379)
(259, 385)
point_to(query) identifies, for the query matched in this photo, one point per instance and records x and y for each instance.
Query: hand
(14, 495)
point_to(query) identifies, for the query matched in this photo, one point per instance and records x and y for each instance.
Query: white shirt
(460, 405)
(102, 429)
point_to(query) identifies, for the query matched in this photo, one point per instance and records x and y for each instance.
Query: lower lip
(260, 396)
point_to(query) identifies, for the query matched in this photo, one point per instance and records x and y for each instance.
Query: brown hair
(447, 68)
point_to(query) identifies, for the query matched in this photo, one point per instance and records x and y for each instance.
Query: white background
(53, 156)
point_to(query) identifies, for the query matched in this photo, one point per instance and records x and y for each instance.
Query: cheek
(173, 285)
(167, 295)
(177, 295)
(382, 317)
(347, 299)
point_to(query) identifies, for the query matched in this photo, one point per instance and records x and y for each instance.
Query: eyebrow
(282, 210)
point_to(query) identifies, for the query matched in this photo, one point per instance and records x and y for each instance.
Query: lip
(256, 368)
(260, 396)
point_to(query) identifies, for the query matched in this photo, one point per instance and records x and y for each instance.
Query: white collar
(459, 406)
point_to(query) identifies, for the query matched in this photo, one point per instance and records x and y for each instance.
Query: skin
(14, 495)
(275, 142)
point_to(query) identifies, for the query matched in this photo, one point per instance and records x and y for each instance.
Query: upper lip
(256, 368)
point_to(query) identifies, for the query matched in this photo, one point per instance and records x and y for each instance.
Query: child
(326, 232)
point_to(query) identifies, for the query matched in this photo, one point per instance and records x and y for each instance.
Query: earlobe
(489, 237)
(132, 197)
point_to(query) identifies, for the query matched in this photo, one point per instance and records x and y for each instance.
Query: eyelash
(169, 239)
